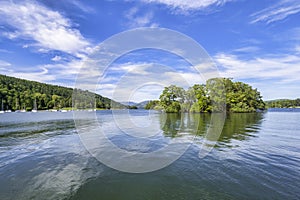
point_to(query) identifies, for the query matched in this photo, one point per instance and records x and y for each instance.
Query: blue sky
(255, 41)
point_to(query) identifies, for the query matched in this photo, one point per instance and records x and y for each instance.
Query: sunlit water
(256, 157)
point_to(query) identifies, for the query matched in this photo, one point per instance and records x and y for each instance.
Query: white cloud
(56, 58)
(185, 79)
(293, 34)
(133, 68)
(150, 91)
(45, 30)
(276, 76)
(136, 20)
(82, 6)
(297, 49)
(48, 29)
(247, 49)
(189, 4)
(144, 81)
(277, 12)
(41, 75)
(5, 51)
(281, 67)
(62, 73)
(4, 64)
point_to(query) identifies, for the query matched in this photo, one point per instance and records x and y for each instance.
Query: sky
(254, 41)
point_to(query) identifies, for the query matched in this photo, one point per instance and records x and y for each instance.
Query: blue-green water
(256, 157)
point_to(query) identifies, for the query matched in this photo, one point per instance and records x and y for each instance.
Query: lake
(257, 156)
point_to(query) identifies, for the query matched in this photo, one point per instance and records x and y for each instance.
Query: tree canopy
(217, 95)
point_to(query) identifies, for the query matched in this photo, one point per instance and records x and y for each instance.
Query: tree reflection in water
(237, 126)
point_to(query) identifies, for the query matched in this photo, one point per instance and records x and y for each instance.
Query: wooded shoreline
(218, 94)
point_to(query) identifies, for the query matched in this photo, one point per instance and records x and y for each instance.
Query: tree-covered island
(216, 95)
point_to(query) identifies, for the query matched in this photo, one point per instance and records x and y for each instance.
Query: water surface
(256, 157)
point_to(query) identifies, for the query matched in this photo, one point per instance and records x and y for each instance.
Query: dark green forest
(283, 103)
(20, 94)
(217, 95)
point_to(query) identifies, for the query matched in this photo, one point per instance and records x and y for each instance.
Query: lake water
(257, 156)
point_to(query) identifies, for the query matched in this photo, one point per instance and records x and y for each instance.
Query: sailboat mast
(34, 106)
(17, 104)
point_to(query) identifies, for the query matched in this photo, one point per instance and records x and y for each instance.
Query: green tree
(217, 94)
(152, 104)
(202, 103)
(171, 98)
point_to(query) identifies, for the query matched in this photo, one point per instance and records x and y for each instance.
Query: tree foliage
(152, 105)
(219, 94)
(171, 98)
(17, 94)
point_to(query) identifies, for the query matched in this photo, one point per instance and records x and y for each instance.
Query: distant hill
(18, 94)
(128, 103)
(283, 103)
(142, 104)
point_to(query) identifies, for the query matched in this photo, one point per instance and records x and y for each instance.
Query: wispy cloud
(62, 72)
(143, 81)
(293, 34)
(45, 28)
(276, 76)
(297, 49)
(37, 74)
(283, 68)
(4, 63)
(5, 51)
(136, 19)
(277, 12)
(189, 4)
(247, 49)
(82, 6)
(131, 67)
(56, 58)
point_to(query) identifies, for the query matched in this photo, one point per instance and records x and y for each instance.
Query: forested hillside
(19, 94)
(217, 95)
(283, 103)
